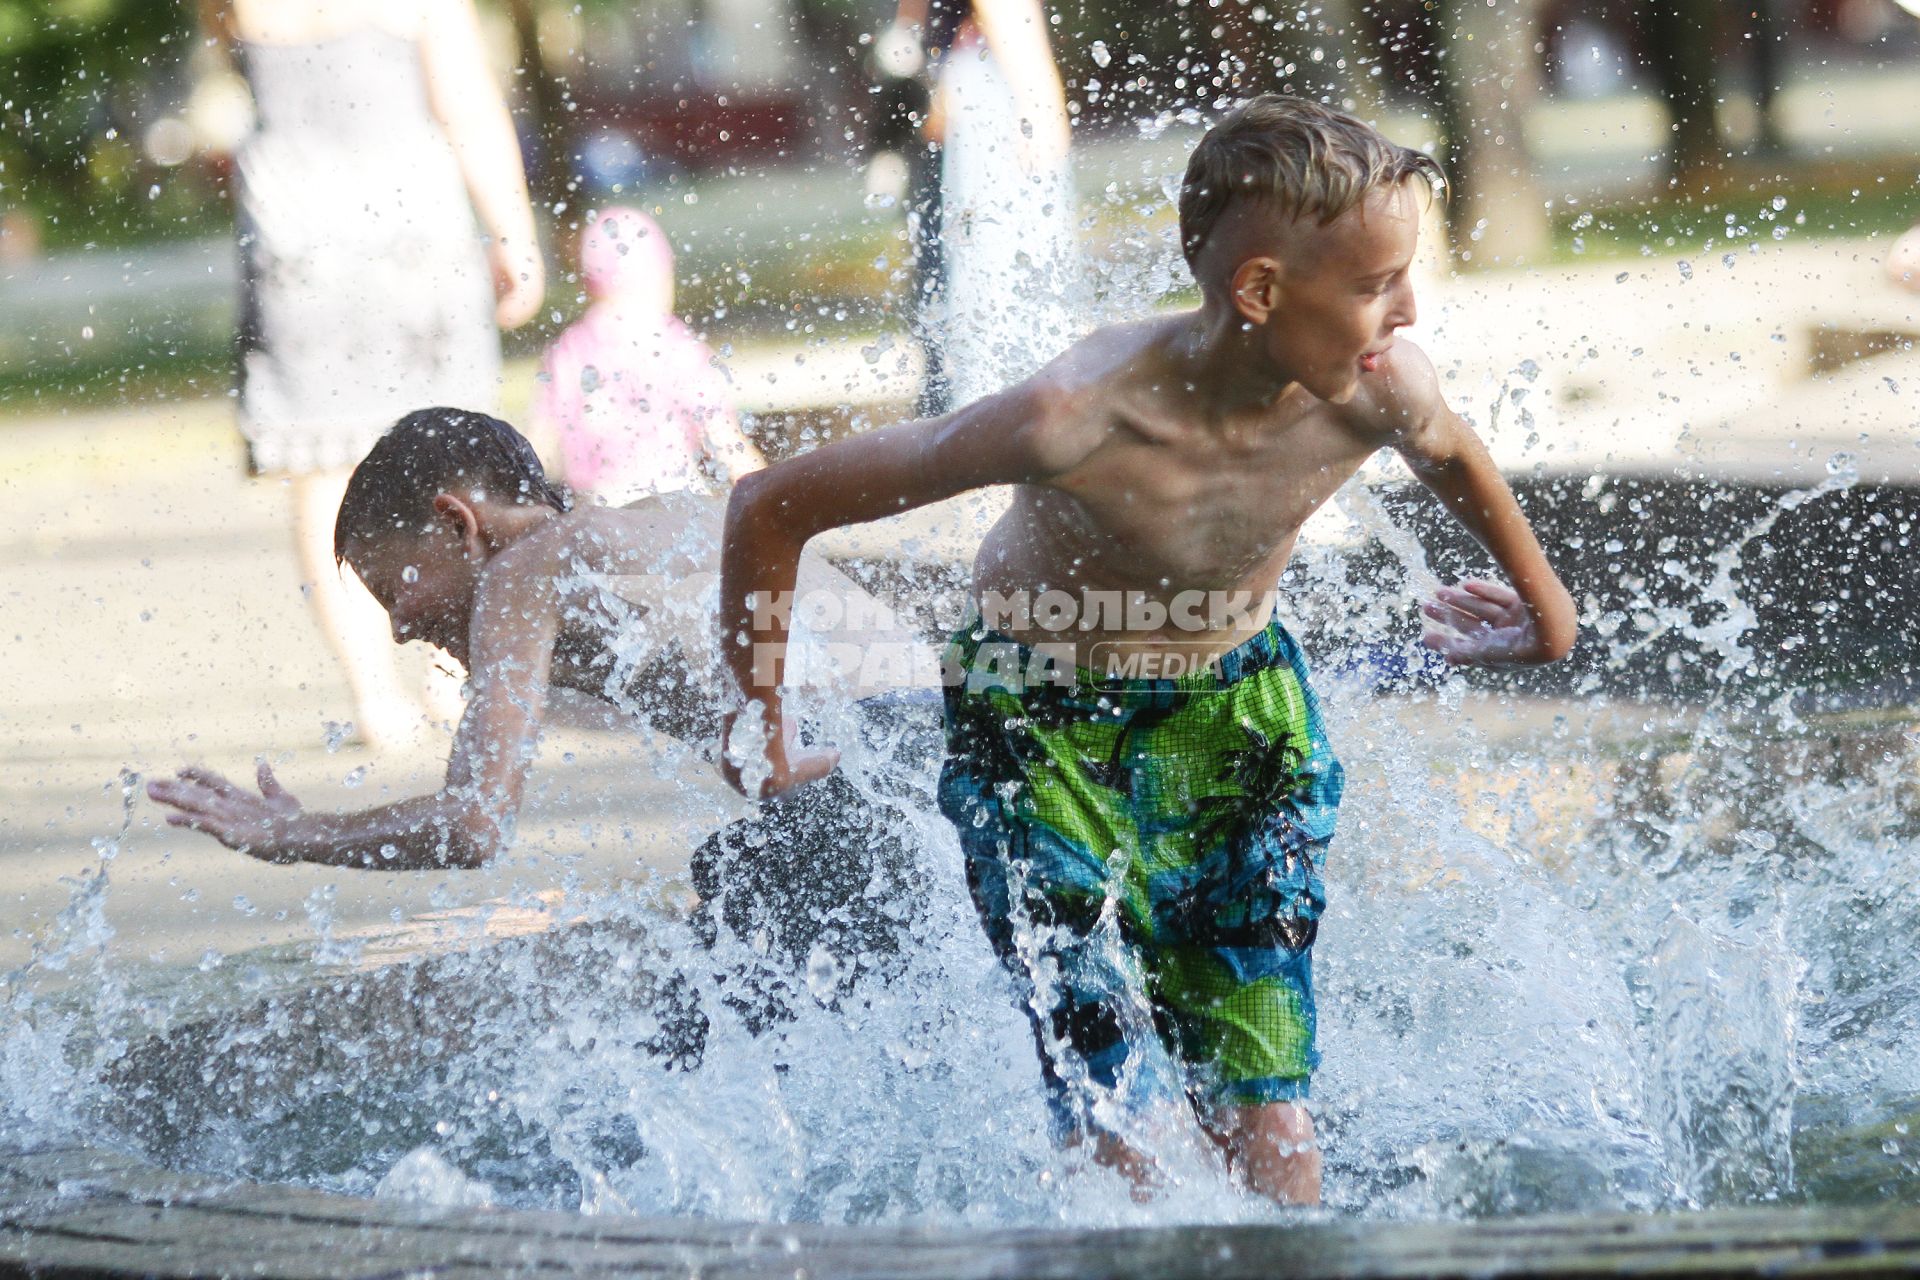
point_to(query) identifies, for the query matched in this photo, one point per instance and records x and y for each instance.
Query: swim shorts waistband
(985, 658)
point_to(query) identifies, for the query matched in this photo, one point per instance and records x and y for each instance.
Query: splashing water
(1664, 962)
(1635, 1004)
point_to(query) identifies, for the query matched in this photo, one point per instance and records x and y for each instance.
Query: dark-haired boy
(453, 526)
(1145, 851)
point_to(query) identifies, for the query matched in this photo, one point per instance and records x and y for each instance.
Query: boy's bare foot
(1131, 1163)
(394, 727)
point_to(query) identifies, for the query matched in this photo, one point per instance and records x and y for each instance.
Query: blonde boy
(1145, 847)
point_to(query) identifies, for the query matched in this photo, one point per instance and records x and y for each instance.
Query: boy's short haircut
(1303, 159)
(434, 451)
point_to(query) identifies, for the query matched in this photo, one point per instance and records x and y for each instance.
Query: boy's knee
(1274, 1123)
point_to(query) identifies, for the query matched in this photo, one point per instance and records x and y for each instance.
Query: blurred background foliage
(106, 111)
(745, 123)
(77, 78)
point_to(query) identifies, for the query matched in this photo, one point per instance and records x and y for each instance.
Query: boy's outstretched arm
(1480, 623)
(469, 820)
(1023, 435)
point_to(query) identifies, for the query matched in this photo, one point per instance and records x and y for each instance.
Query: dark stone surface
(72, 1211)
(806, 899)
(1833, 582)
(829, 876)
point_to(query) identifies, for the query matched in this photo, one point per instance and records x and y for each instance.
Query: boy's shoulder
(587, 538)
(1398, 398)
(1048, 423)
(1100, 368)
(1113, 352)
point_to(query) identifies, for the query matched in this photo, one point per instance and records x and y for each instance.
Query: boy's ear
(460, 519)
(1255, 289)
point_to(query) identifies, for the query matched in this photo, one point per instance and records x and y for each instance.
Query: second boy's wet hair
(1304, 160)
(435, 451)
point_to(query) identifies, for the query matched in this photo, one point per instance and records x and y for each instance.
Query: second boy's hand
(259, 826)
(1482, 624)
(779, 767)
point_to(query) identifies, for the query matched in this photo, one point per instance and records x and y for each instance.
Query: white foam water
(1509, 1022)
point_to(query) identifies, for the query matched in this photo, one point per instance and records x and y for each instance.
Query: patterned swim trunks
(1145, 856)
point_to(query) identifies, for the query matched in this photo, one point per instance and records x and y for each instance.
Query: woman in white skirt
(369, 289)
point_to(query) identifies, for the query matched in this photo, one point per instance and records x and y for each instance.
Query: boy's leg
(1271, 1148)
(1233, 972)
(1131, 1163)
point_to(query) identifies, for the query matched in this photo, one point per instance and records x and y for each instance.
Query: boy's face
(425, 582)
(1343, 290)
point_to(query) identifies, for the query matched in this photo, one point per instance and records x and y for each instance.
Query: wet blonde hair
(1302, 159)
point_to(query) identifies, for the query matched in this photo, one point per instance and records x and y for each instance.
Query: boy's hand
(259, 826)
(785, 770)
(1482, 624)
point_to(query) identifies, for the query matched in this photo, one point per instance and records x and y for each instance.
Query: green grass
(1852, 203)
(42, 387)
(840, 283)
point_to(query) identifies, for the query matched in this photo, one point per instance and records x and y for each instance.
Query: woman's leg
(385, 717)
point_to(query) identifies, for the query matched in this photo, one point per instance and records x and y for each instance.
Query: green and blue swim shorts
(1145, 855)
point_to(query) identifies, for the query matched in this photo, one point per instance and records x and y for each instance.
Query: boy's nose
(1407, 312)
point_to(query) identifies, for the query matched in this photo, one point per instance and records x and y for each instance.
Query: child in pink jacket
(633, 395)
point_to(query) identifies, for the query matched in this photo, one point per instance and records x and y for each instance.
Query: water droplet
(1102, 56)
(823, 973)
(410, 574)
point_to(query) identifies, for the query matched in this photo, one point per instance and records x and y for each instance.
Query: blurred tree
(1768, 31)
(1323, 50)
(70, 73)
(1489, 73)
(551, 158)
(836, 79)
(1680, 51)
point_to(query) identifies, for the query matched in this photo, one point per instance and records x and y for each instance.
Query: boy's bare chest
(1194, 507)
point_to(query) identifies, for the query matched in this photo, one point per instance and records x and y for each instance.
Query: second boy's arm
(1486, 624)
(1022, 435)
(469, 820)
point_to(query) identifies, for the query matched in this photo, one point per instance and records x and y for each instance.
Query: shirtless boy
(1171, 461)
(453, 526)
